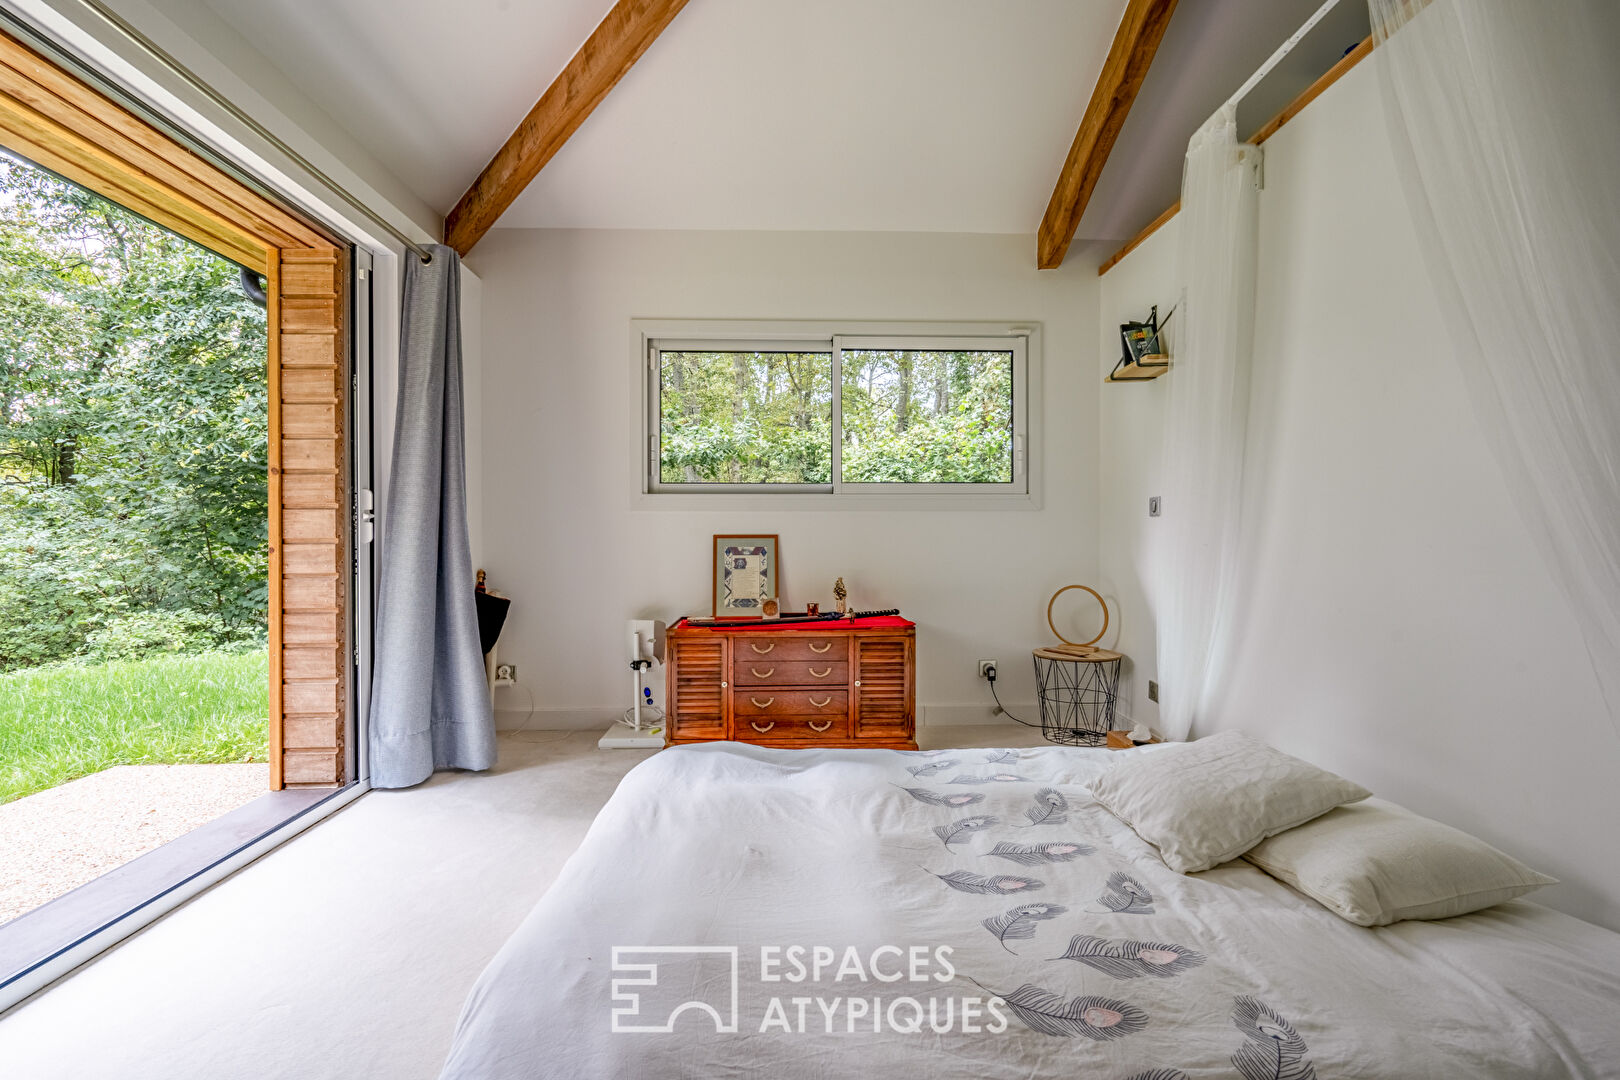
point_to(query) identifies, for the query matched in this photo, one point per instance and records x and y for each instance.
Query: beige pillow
(1375, 863)
(1202, 803)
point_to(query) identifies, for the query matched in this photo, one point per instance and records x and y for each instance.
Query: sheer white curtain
(1505, 117)
(1208, 415)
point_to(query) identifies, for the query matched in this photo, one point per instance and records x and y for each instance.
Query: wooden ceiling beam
(611, 50)
(1140, 30)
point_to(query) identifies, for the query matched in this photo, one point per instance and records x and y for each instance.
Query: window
(843, 415)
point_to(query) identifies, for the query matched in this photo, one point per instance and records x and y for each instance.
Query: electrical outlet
(986, 667)
(1153, 506)
(506, 672)
(1153, 690)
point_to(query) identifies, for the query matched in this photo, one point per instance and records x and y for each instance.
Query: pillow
(1375, 863)
(1205, 802)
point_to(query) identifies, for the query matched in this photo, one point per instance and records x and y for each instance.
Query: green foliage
(766, 418)
(133, 433)
(64, 721)
(746, 418)
(927, 417)
(146, 633)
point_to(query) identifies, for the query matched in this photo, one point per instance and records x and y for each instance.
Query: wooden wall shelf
(1149, 367)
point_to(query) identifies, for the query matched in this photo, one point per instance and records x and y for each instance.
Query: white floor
(348, 951)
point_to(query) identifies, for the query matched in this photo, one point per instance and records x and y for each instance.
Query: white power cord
(530, 716)
(651, 716)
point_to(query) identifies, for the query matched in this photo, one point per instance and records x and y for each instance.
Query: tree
(909, 416)
(133, 429)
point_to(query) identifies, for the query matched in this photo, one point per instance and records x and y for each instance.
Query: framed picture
(744, 575)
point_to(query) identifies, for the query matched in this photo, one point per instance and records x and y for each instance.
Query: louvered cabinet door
(696, 694)
(883, 688)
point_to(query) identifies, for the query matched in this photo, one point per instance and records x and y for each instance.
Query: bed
(741, 911)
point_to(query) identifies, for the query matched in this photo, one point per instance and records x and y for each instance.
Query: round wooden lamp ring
(1060, 637)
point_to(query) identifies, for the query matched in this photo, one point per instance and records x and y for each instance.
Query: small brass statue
(841, 595)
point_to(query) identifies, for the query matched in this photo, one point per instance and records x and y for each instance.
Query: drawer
(749, 705)
(788, 645)
(794, 729)
(746, 672)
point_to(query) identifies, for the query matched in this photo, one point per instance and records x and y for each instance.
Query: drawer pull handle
(761, 651)
(767, 673)
(820, 729)
(822, 704)
(758, 704)
(825, 645)
(821, 674)
(762, 730)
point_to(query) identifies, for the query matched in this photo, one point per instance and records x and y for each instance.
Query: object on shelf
(813, 610)
(841, 595)
(772, 607)
(1142, 352)
(791, 618)
(745, 575)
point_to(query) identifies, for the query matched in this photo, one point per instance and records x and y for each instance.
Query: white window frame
(650, 337)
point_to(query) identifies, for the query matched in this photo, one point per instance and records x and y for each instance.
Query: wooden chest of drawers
(842, 684)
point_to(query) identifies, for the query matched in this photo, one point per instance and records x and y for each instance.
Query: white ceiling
(924, 115)
(868, 115)
(430, 88)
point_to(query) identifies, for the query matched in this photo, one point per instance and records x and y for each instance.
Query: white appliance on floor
(642, 725)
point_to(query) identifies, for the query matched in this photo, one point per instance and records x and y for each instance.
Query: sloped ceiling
(883, 115)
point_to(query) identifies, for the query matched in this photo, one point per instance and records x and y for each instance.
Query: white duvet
(738, 911)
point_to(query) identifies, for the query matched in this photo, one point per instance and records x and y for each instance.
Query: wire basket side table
(1078, 688)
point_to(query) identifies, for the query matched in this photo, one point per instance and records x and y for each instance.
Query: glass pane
(745, 418)
(923, 417)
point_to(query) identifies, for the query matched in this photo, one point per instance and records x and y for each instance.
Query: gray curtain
(430, 704)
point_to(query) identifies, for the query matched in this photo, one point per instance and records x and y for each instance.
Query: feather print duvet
(737, 911)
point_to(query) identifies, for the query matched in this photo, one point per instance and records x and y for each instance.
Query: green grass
(65, 721)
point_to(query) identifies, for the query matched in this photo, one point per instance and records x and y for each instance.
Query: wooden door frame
(59, 122)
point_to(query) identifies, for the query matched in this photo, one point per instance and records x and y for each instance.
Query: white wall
(565, 539)
(1395, 623)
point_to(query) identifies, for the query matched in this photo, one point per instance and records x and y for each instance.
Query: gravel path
(54, 841)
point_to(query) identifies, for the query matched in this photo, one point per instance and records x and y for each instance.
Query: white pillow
(1375, 863)
(1202, 803)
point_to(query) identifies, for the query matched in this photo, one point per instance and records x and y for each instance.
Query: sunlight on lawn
(65, 721)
